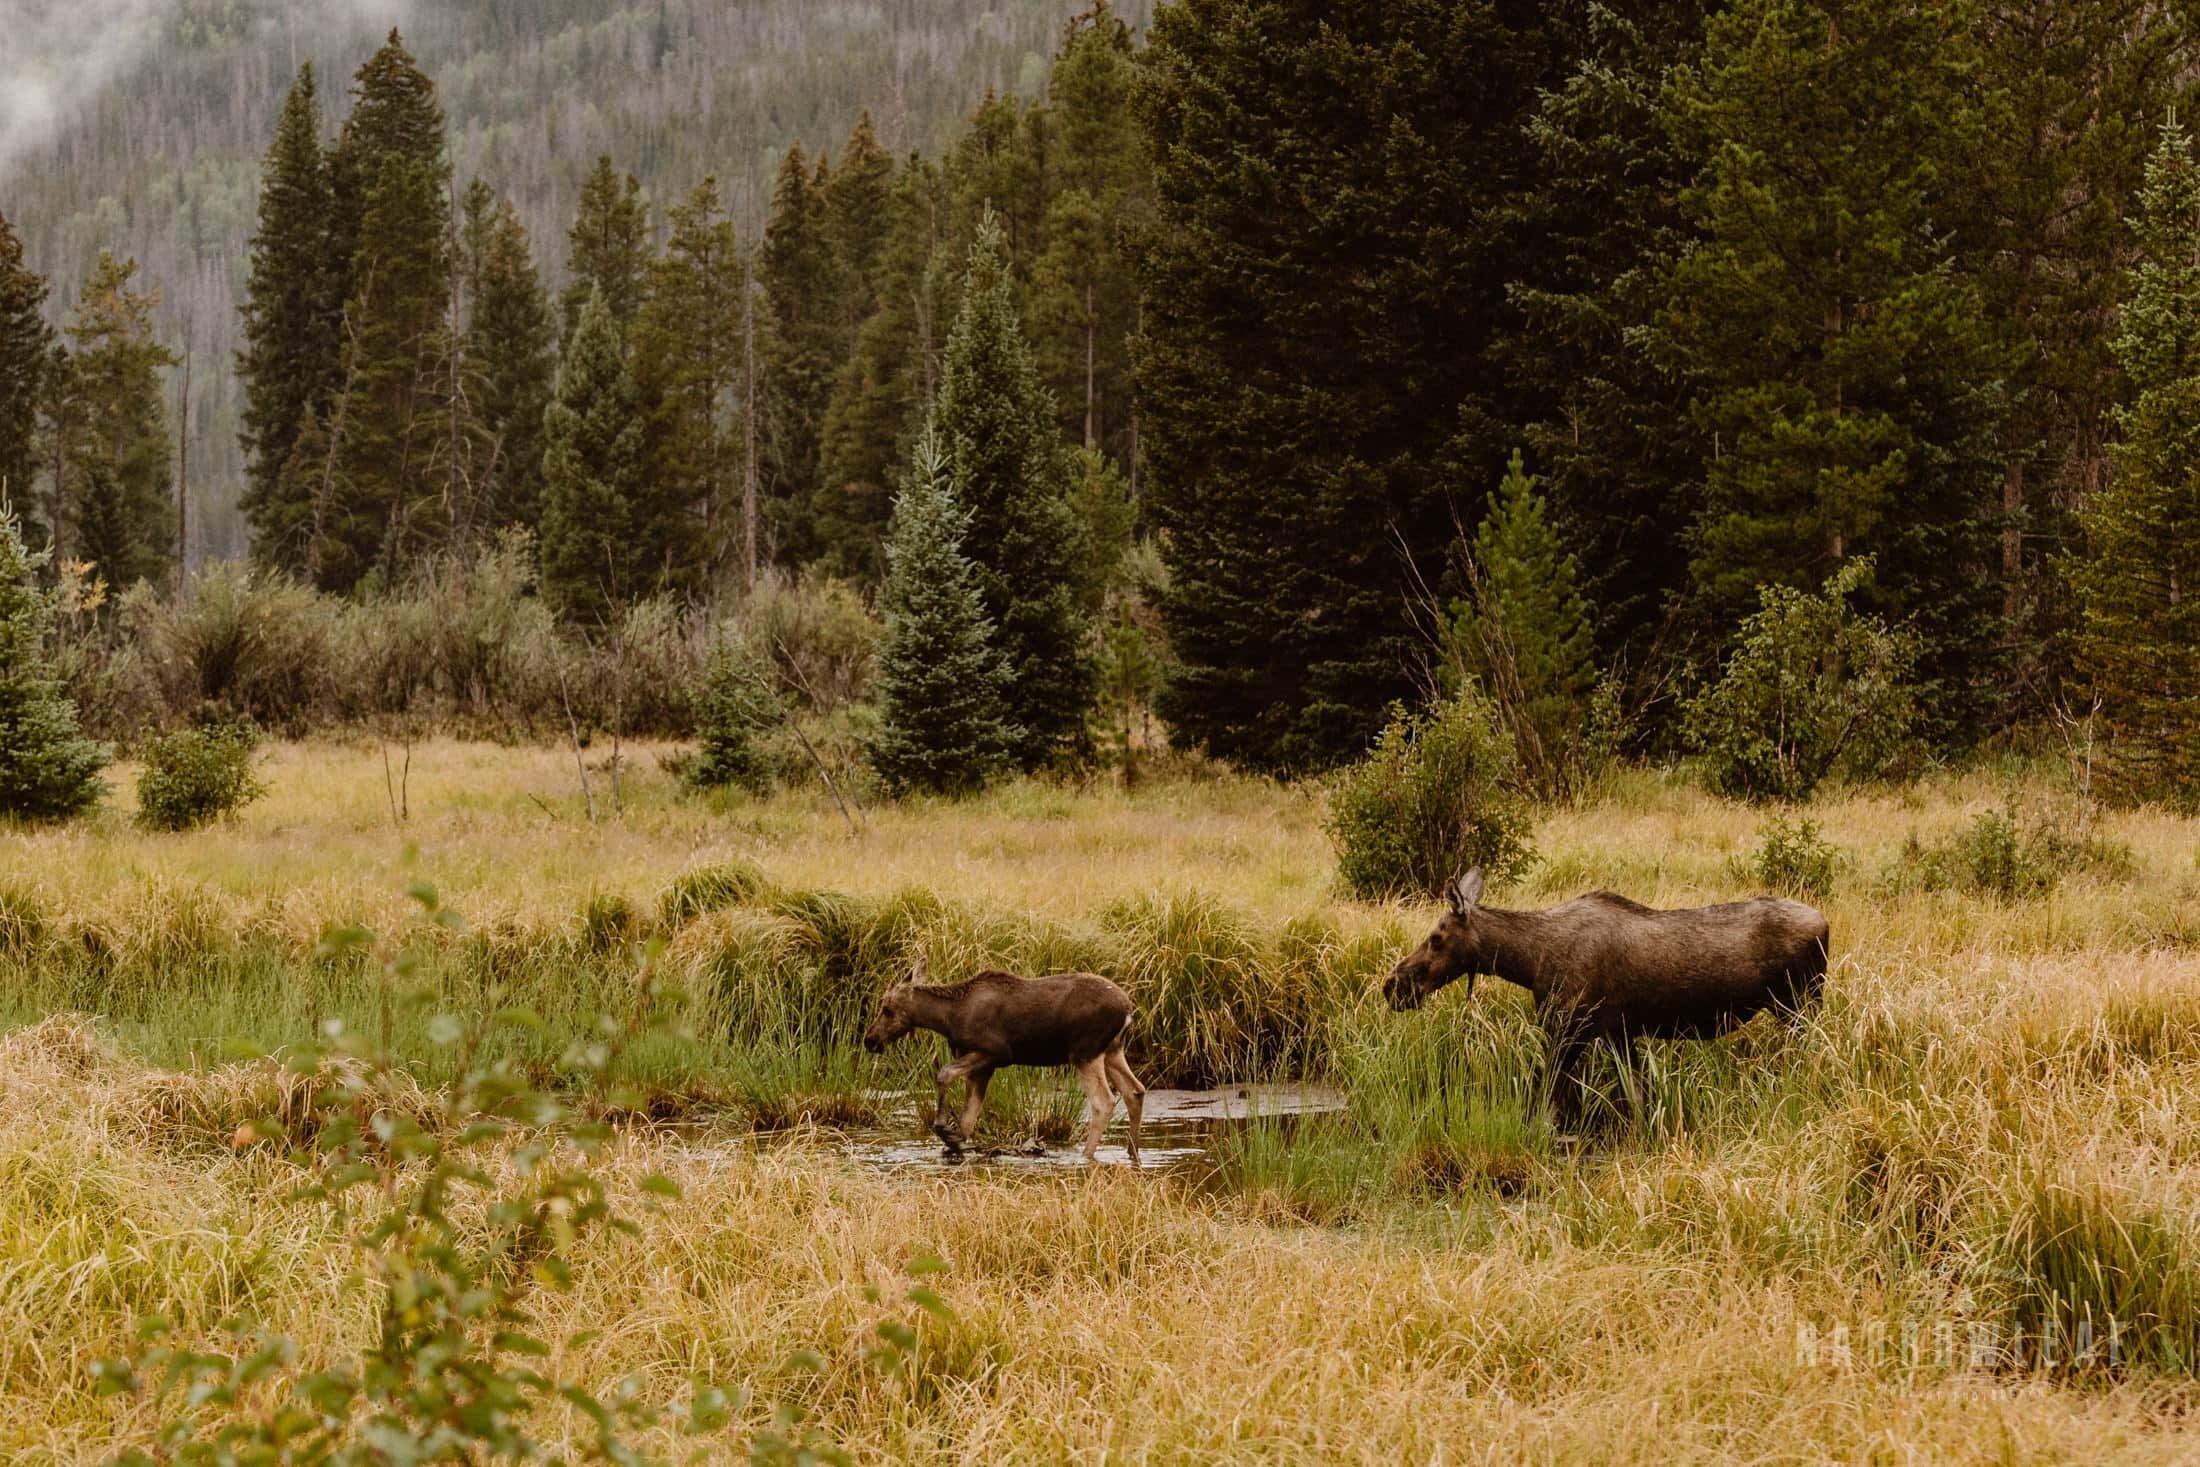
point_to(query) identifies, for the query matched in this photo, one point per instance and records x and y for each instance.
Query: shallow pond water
(1179, 1127)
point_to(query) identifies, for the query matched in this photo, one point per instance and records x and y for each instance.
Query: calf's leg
(1134, 1094)
(974, 1099)
(960, 1067)
(1101, 1100)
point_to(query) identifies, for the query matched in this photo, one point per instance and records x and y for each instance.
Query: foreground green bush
(197, 775)
(1437, 795)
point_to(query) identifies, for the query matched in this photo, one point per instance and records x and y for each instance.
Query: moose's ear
(916, 971)
(1466, 892)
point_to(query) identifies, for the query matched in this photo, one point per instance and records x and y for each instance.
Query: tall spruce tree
(1604, 417)
(287, 364)
(2075, 87)
(2139, 583)
(800, 271)
(48, 769)
(1322, 287)
(1849, 385)
(394, 116)
(996, 422)
(509, 347)
(1524, 629)
(857, 207)
(593, 561)
(944, 724)
(892, 370)
(688, 345)
(607, 247)
(26, 346)
(125, 451)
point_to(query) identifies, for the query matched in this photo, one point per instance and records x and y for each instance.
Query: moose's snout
(1402, 992)
(874, 1044)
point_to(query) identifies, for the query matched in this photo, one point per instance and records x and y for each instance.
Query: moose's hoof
(949, 1137)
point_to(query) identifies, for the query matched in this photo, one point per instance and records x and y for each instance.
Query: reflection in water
(1178, 1124)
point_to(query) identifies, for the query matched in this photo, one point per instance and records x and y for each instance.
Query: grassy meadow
(1882, 1236)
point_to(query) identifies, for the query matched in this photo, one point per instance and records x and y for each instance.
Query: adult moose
(1604, 967)
(997, 1019)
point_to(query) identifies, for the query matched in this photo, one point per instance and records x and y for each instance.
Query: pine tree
(1084, 306)
(857, 207)
(2075, 87)
(944, 724)
(26, 343)
(996, 423)
(890, 375)
(1321, 290)
(48, 769)
(509, 345)
(734, 707)
(394, 116)
(125, 450)
(1605, 417)
(391, 500)
(288, 361)
(2139, 585)
(1525, 631)
(593, 563)
(687, 366)
(608, 247)
(1848, 381)
(801, 277)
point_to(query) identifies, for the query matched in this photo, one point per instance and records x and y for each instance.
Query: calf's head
(1449, 952)
(893, 1019)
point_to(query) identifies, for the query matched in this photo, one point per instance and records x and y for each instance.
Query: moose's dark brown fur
(1604, 967)
(997, 1019)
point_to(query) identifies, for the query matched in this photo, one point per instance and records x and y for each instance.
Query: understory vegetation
(1957, 1194)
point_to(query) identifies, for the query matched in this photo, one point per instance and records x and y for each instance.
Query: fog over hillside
(138, 125)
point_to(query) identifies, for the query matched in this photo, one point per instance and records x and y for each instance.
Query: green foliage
(1813, 688)
(1438, 794)
(2140, 637)
(48, 769)
(593, 559)
(2002, 856)
(25, 340)
(1525, 634)
(1306, 368)
(509, 339)
(1847, 373)
(994, 419)
(706, 889)
(607, 249)
(734, 708)
(124, 459)
(944, 719)
(289, 358)
(805, 344)
(1793, 858)
(195, 776)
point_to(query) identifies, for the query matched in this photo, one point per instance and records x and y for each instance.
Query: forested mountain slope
(156, 150)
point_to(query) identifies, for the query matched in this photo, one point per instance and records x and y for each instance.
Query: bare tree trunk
(1136, 466)
(1092, 375)
(183, 474)
(573, 729)
(748, 421)
(335, 449)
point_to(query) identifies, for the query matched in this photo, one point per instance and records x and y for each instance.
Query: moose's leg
(1133, 1093)
(974, 1099)
(1567, 1048)
(961, 1066)
(1100, 1099)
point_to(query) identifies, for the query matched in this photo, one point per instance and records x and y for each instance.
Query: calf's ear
(916, 971)
(1466, 892)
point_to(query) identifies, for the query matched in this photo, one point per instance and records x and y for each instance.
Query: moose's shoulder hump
(1615, 901)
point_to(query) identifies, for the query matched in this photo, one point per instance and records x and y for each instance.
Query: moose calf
(997, 1019)
(1604, 967)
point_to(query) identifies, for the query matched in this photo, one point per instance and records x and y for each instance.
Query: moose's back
(1688, 972)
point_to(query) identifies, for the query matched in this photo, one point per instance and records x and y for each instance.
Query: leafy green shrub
(818, 635)
(1996, 855)
(1437, 795)
(48, 769)
(1795, 859)
(1813, 688)
(197, 775)
(734, 707)
(273, 650)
